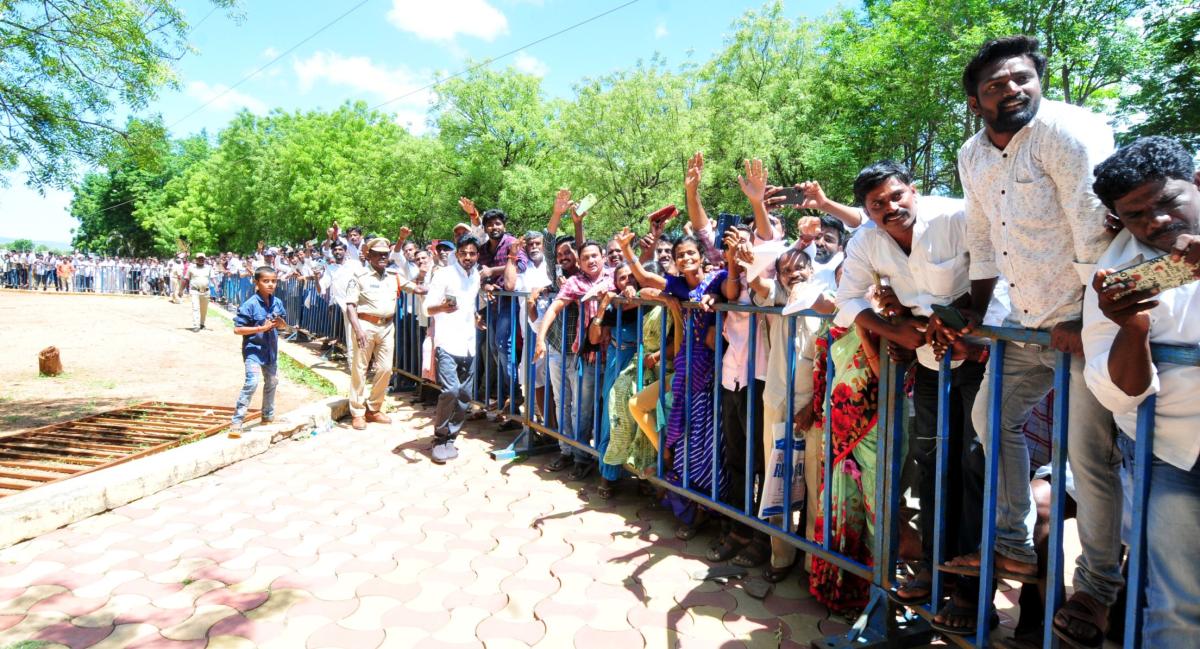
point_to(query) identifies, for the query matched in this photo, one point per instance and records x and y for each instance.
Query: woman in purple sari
(690, 438)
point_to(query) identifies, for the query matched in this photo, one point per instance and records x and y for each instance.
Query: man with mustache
(919, 246)
(1152, 186)
(1033, 218)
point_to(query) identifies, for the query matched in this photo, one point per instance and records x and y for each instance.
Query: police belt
(375, 319)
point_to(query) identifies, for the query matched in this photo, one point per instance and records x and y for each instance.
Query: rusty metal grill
(67, 449)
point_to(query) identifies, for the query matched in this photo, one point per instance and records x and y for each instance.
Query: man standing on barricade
(450, 302)
(370, 312)
(493, 261)
(1152, 186)
(1032, 217)
(919, 248)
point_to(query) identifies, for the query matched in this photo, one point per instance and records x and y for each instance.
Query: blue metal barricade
(884, 621)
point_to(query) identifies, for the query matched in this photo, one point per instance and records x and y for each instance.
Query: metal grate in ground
(64, 450)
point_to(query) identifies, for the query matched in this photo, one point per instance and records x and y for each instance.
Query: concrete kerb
(43, 509)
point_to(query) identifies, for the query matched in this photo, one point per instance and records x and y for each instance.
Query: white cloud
(530, 64)
(661, 30)
(231, 100)
(442, 20)
(270, 53)
(363, 76)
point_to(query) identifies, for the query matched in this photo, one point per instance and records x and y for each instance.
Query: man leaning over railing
(1151, 185)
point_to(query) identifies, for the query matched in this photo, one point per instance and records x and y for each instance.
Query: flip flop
(1082, 607)
(1000, 573)
(954, 609)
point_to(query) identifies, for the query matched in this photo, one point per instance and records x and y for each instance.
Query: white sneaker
(444, 452)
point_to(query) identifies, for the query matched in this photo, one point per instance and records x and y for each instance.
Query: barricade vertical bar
(1058, 495)
(663, 388)
(687, 399)
(991, 472)
(881, 426)
(715, 469)
(514, 320)
(641, 354)
(547, 386)
(939, 489)
(897, 418)
(748, 487)
(827, 442)
(577, 393)
(562, 371)
(1143, 456)
(597, 400)
(789, 423)
(488, 325)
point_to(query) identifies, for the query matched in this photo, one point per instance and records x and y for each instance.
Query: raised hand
(624, 239)
(754, 183)
(814, 196)
(695, 173)
(576, 217)
(809, 226)
(562, 202)
(405, 232)
(468, 206)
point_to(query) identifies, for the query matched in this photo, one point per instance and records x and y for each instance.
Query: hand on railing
(1067, 337)
(539, 349)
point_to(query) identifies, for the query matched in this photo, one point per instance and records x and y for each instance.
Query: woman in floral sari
(853, 417)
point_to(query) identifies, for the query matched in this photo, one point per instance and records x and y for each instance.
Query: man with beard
(535, 278)
(493, 262)
(451, 304)
(1033, 218)
(370, 312)
(919, 247)
(1151, 185)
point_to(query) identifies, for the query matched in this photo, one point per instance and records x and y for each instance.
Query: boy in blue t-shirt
(256, 322)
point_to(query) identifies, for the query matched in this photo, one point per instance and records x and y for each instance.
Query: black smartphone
(791, 196)
(725, 220)
(950, 315)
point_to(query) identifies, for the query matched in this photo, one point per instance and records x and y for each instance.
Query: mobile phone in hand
(586, 204)
(725, 221)
(950, 315)
(791, 196)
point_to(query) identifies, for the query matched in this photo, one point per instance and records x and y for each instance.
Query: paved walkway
(355, 539)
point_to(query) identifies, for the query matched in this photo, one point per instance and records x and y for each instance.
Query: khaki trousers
(377, 353)
(199, 308)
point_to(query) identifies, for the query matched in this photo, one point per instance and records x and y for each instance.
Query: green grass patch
(28, 644)
(297, 373)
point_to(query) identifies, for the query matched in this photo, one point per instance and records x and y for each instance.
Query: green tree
(21, 245)
(65, 66)
(1167, 100)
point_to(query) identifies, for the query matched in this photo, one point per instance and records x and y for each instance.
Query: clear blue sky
(388, 48)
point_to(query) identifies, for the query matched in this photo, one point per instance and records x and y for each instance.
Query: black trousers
(734, 404)
(963, 480)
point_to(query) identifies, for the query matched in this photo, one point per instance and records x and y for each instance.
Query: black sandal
(1082, 608)
(581, 471)
(559, 463)
(728, 547)
(689, 532)
(955, 608)
(921, 581)
(775, 575)
(606, 488)
(755, 554)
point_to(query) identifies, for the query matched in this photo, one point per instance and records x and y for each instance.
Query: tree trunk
(48, 362)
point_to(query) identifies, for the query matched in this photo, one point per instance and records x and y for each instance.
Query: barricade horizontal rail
(505, 350)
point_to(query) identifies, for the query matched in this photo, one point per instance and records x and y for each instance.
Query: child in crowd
(257, 322)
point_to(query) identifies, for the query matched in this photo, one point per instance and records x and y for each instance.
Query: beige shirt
(198, 276)
(372, 293)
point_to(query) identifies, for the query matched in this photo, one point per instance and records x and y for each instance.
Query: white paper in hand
(765, 255)
(803, 297)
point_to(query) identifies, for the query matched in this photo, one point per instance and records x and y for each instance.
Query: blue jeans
(1095, 466)
(1172, 613)
(255, 373)
(501, 344)
(456, 374)
(563, 393)
(586, 405)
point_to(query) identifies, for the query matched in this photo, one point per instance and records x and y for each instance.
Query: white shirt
(1031, 213)
(935, 272)
(334, 281)
(533, 277)
(455, 332)
(803, 345)
(1172, 322)
(825, 274)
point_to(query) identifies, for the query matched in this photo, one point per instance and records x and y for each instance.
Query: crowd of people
(1050, 209)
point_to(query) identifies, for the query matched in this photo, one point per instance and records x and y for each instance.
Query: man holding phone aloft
(451, 300)
(919, 245)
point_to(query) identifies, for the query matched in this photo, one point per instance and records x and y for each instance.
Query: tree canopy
(815, 98)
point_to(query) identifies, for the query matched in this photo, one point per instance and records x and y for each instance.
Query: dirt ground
(116, 351)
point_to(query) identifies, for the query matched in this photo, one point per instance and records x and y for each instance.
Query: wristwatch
(598, 321)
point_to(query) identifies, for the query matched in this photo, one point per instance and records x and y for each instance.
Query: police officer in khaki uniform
(370, 311)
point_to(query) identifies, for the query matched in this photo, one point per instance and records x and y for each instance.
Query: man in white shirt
(535, 277)
(1033, 218)
(919, 247)
(198, 277)
(1151, 185)
(451, 303)
(176, 277)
